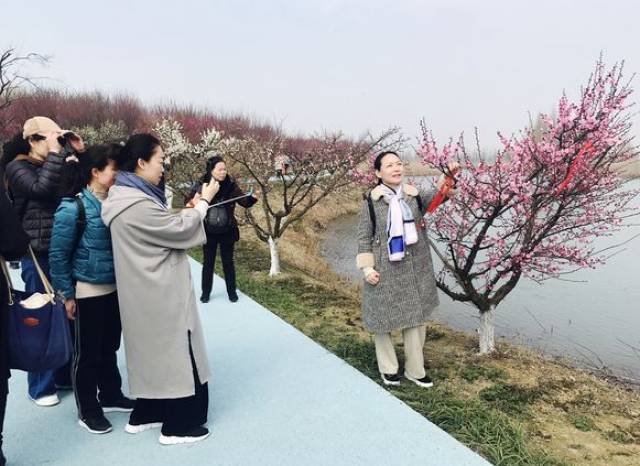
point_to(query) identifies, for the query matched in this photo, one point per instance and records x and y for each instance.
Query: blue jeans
(42, 383)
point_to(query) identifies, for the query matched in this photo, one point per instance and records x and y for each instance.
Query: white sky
(331, 64)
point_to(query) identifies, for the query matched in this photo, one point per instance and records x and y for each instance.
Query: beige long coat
(157, 301)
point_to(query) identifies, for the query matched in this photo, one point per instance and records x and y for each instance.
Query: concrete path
(277, 398)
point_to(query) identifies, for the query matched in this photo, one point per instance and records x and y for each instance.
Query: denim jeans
(42, 383)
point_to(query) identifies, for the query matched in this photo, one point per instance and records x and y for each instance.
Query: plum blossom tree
(185, 160)
(315, 168)
(536, 210)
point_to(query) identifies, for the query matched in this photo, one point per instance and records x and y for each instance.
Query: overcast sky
(332, 64)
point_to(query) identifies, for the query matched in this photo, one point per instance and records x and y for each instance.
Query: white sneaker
(46, 401)
(424, 382)
(137, 428)
(196, 435)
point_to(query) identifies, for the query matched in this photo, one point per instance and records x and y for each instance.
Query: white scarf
(401, 226)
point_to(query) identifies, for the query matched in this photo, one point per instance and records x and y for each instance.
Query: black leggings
(209, 251)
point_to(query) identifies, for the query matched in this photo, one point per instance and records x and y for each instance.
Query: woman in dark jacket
(13, 244)
(33, 178)
(221, 226)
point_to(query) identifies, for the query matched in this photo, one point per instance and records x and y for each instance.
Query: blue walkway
(277, 398)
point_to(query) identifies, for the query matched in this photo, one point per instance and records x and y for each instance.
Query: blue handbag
(38, 332)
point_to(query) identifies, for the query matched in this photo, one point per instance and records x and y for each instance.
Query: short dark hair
(139, 146)
(377, 164)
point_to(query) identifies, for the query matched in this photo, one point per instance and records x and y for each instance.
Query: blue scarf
(132, 180)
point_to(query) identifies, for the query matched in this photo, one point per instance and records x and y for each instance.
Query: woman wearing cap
(33, 178)
(163, 338)
(399, 292)
(221, 226)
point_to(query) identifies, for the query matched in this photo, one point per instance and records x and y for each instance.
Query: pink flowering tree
(536, 209)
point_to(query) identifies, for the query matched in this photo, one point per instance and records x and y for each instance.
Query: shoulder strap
(81, 221)
(48, 289)
(372, 214)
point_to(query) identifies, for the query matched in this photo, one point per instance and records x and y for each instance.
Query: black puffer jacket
(13, 244)
(35, 189)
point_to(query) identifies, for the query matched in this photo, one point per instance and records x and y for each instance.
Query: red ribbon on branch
(587, 148)
(442, 193)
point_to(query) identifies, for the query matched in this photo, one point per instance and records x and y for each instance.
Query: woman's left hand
(77, 143)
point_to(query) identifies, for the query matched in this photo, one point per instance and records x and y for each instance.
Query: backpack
(81, 221)
(372, 212)
(217, 221)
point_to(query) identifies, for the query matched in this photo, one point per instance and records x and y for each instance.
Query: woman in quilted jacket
(82, 273)
(34, 160)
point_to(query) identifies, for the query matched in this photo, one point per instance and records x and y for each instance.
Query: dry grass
(570, 414)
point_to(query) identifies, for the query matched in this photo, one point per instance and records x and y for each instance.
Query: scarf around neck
(132, 180)
(401, 227)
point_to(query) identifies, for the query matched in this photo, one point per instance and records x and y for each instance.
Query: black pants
(178, 415)
(95, 365)
(226, 253)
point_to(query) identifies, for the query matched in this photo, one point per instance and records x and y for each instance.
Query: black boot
(204, 298)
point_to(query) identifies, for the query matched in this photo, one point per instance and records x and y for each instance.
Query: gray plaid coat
(406, 294)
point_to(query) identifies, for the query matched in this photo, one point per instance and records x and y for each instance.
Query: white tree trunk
(487, 331)
(169, 195)
(275, 257)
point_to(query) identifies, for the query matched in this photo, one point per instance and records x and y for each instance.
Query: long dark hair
(77, 175)
(139, 146)
(15, 146)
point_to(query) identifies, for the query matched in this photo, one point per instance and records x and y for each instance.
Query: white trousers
(413, 339)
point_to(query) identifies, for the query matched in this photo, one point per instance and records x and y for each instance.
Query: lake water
(595, 322)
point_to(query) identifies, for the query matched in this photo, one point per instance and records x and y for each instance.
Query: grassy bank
(515, 407)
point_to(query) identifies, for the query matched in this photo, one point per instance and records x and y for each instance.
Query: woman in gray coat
(399, 291)
(163, 338)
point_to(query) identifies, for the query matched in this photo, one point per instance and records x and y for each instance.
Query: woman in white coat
(164, 343)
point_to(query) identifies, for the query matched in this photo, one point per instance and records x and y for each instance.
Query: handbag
(38, 330)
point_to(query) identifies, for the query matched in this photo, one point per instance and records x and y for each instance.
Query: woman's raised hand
(76, 142)
(53, 144)
(209, 190)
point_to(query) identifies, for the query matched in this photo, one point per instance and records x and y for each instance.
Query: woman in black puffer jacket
(221, 226)
(33, 177)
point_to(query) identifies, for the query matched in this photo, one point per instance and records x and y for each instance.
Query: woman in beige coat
(163, 338)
